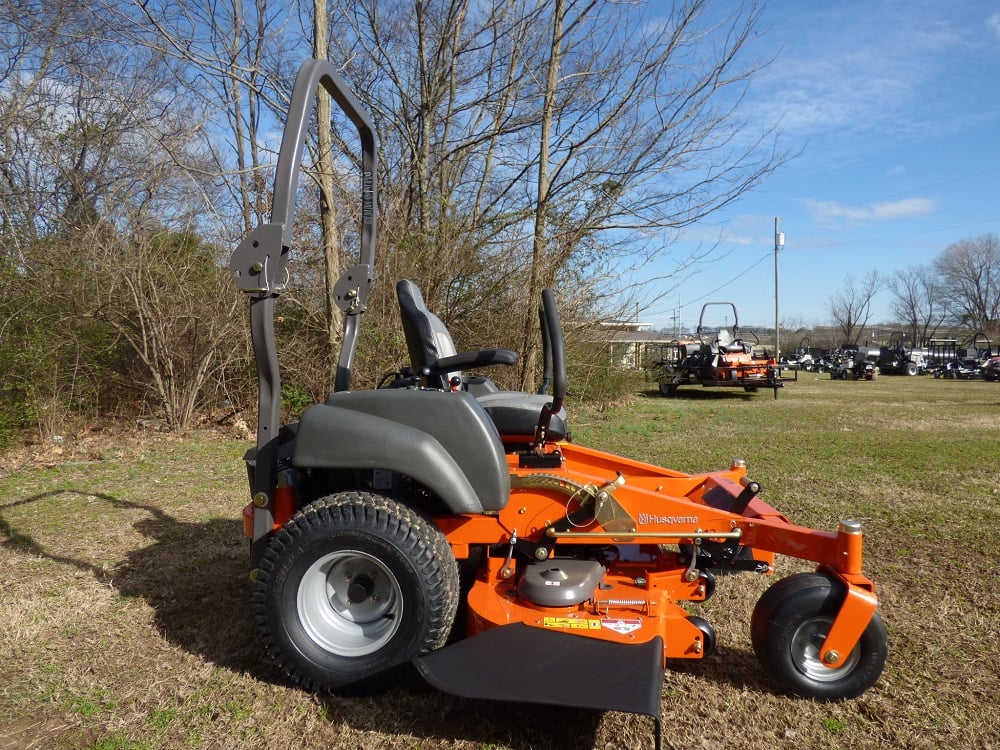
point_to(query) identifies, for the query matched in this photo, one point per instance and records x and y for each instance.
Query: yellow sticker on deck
(571, 623)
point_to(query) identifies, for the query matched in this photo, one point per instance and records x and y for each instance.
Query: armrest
(471, 360)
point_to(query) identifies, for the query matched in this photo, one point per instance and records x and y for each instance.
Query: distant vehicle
(898, 359)
(801, 358)
(965, 364)
(991, 369)
(853, 362)
(942, 354)
(721, 359)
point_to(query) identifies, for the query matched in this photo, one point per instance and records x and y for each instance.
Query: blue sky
(893, 110)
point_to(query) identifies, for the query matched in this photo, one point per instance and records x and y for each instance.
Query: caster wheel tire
(709, 639)
(353, 586)
(708, 581)
(787, 630)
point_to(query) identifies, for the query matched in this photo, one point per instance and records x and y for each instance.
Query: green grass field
(123, 587)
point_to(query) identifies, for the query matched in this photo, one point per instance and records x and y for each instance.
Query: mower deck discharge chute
(419, 524)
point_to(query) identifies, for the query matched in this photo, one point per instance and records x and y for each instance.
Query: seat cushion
(515, 415)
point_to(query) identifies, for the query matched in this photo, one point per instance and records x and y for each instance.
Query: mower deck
(573, 511)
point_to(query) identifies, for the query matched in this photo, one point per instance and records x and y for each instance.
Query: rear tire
(351, 587)
(790, 623)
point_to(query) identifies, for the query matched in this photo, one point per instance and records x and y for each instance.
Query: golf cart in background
(801, 359)
(897, 359)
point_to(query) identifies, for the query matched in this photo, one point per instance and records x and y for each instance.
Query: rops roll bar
(259, 268)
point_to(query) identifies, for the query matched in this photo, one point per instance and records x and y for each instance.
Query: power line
(711, 293)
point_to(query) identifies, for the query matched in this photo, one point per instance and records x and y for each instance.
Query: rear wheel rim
(349, 603)
(806, 644)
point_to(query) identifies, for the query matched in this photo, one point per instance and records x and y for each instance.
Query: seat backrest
(514, 413)
(724, 339)
(427, 338)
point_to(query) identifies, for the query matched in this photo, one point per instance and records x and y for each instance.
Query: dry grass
(123, 589)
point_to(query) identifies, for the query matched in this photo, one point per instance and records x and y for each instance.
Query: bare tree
(851, 307)
(167, 296)
(443, 80)
(543, 190)
(41, 45)
(539, 135)
(970, 272)
(232, 59)
(95, 166)
(637, 144)
(917, 301)
(333, 262)
(229, 61)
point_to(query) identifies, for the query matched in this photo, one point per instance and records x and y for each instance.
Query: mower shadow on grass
(739, 670)
(702, 394)
(193, 576)
(417, 710)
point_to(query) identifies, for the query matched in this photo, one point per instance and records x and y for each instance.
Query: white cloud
(833, 214)
(993, 25)
(868, 71)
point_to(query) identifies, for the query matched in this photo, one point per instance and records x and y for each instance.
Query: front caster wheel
(788, 627)
(709, 640)
(352, 586)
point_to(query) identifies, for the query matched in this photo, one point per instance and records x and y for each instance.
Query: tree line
(523, 143)
(959, 289)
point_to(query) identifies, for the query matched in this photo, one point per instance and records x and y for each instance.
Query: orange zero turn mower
(458, 530)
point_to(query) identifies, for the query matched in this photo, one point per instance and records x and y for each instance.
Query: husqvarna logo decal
(648, 519)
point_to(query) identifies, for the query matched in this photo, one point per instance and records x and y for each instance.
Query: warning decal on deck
(621, 626)
(571, 623)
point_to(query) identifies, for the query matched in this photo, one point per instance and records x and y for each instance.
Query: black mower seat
(435, 360)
